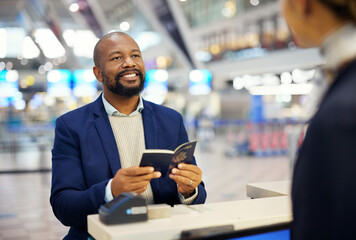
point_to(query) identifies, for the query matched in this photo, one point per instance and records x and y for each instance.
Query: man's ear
(97, 73)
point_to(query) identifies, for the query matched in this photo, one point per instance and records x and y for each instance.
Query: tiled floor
(25, 212)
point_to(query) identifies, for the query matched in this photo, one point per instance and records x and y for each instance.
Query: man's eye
(116, 58)
(136, 55)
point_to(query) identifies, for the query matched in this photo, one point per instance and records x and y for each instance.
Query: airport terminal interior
(230, 67)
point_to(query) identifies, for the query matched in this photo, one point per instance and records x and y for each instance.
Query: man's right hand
(133, 179)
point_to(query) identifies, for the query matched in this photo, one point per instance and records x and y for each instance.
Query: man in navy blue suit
(97, 148)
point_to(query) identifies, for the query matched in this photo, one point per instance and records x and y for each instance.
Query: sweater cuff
(108, 193)
(189, 200)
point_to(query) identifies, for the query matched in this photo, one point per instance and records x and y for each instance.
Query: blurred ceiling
(9, 10)
(175, 39)
(100, 17)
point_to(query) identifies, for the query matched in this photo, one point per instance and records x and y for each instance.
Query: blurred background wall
(231, 67)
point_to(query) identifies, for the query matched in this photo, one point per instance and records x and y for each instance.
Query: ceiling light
(29, 48)
(74, 7)
(292, 89)
(255, 2)
(124, 26)
(238, 83)
(286, 78)
(49, 43)
(3, 44)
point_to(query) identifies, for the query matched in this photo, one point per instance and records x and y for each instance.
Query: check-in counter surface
(241, 214)
(268, 189)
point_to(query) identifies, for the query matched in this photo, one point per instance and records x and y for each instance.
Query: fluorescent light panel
(292, 89)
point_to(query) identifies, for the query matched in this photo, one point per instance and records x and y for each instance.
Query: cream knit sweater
(130, 141)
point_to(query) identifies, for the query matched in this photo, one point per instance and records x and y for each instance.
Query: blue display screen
(9, 84)
(156, 85)
(157, 78)
(200, 82)
(59, 82)
(84, 83)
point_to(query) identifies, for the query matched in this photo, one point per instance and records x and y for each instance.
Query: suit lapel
(103, 127)
(150, 130)
(149, 126)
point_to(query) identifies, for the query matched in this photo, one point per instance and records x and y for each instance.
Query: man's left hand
(187, 177)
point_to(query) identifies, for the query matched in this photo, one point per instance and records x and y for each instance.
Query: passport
(165, 160)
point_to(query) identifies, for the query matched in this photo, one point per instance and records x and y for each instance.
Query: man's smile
(129, 76)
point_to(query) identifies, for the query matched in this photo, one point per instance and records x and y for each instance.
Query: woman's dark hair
(344, 9)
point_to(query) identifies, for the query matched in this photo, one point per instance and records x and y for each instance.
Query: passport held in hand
(165, 160)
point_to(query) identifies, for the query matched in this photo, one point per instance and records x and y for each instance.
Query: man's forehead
(118, 40)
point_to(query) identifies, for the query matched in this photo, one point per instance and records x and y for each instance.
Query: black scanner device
(125, 208)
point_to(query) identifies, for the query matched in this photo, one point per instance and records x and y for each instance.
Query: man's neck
(125, 105)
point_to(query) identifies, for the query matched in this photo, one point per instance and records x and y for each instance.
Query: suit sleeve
(183, 137)
(71, 199)
(323, 182)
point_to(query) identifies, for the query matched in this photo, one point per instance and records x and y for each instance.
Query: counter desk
(268, 189)
(241, 214)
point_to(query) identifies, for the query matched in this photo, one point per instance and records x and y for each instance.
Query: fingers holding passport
(187, 176)
(133, 179)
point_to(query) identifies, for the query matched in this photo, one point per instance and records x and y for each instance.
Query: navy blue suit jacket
(85, 157)
(324, 182)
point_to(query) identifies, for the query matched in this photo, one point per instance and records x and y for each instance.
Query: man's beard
(120, 89)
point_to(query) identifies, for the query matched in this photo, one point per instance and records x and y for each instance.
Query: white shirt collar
(339, 47)
(111, 111)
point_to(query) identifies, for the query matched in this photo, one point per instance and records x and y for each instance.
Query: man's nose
(128, 63)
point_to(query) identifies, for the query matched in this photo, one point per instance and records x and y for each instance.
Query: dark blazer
(324, 181)
(85, 157)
